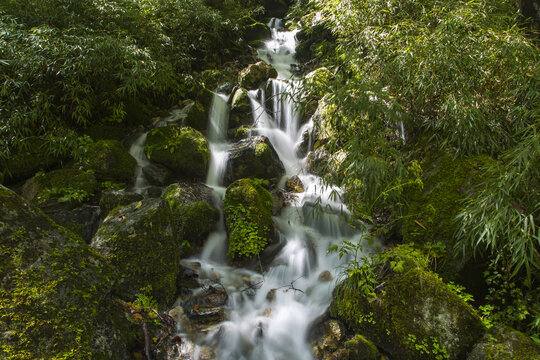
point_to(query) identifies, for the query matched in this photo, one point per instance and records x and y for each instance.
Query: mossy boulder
(193, 213)
(255, 75)
(33, 156)
(502, 342)
(182, 149)
(254, 157)
(432, 210)
(409, 312)
(55, 291)
(248, 219)
(114, 198)
(257, 31)
(361, 348)
(240, 114)
(62, 185)
(139, 241)
(315, 88)
(197, 117)
(109, 161)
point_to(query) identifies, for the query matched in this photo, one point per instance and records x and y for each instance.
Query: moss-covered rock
(432, 210)
(109, 161)
(361, 348)
(54, 290)
(114, 198)
(63, 185)
(257, 31)
(501, 343)
(139, 241)
(248, 219)
(181, 149)
(197, 117)
(409, 313)
(255, 74)
(240, 114)
(253, 157)
(194, 216)
(34, 156)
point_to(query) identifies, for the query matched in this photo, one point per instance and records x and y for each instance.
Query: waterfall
(271, 321)
(137, 151)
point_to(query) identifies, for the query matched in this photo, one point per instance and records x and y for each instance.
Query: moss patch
(181, 149)
(248, 218)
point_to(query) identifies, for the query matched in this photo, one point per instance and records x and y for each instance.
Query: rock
(240, 114)
(362, 349)
(411, 314)
(197, 117)
(329, 345)
(34, 155)
(294, 184)
(278, 201)
(139, 241)
(157, 174)
(193, 213)
(114, 198)
(83, 220)
(109, 161)
(325, 276)
(502, 342)
(63, 185)
(184, 150)
(48, 278)
(257, 31)
(255, 74)
(253, 157)
(271, 295)
(305, 144)
(318, 161)
(207, 316)
(248, 219)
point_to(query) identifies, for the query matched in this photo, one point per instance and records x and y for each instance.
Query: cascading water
(269, 314)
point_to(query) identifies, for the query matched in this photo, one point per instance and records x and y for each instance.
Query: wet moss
(502, 342)
(248, 218)
(181, 149)
(411, 314)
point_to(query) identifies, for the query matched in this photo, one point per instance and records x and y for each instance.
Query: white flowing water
(260, 326)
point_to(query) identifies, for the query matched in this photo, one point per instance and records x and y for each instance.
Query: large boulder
(240, 114)
(407, 310)
(33, 156)
(501, 343)
(256, 74)
(257, 31)
(182, 149)
(55, 291)
(197, 117)
(193, 213)
(109, 161)
(253, 157)
(139, 241)
(248, 219)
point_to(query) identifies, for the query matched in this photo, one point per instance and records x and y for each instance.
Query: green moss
(64, 185)
(181, 149)
(197, 117)
(109, 161)
(193, 216)
(502, 342)
(50, 279)
(412, 314)
(362, 349)
(248, 218)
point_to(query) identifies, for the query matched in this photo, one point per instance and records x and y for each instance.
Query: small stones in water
(326, 276)
(267, 312)
(294, 184)
(271, 295)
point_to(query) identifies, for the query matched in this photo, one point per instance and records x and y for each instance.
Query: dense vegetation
(413, 82)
